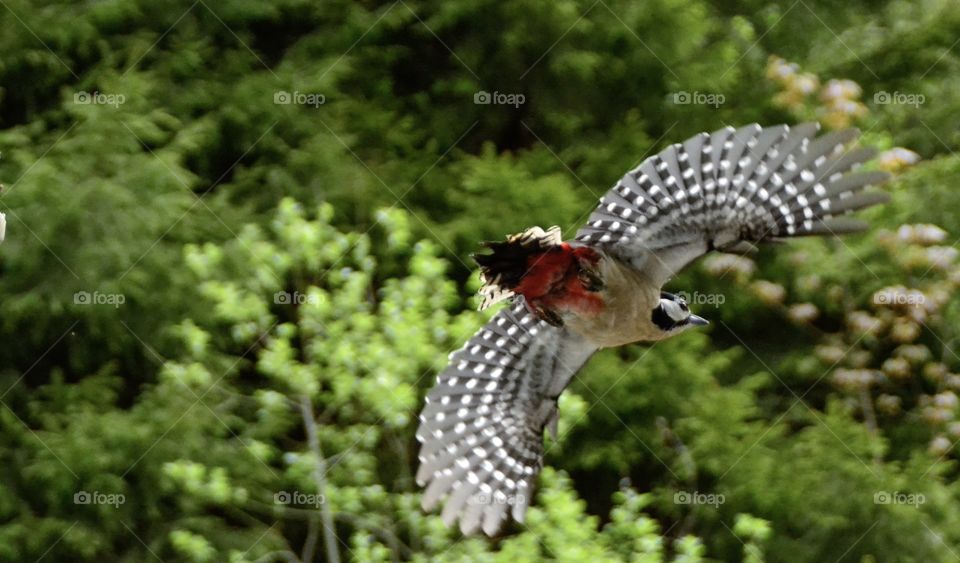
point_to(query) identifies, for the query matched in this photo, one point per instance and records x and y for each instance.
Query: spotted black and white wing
(482, 427)
(730, 189)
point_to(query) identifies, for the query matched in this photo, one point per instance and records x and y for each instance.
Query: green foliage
(219, 311)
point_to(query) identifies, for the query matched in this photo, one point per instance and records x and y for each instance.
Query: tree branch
(320, 480)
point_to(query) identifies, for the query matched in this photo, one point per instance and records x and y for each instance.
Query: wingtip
(812, 126)
(494, 517)
(519, 514)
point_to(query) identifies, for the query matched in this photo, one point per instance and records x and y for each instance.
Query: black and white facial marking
(672, 313)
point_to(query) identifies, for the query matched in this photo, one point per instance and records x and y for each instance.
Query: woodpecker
(482, 426)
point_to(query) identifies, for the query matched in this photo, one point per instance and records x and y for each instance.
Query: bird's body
(611, 307)
(483, 423)
(624, 316)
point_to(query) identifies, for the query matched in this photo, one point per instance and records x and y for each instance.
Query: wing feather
(482, 427)
(729, 190)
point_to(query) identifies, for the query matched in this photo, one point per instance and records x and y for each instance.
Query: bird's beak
(699, 321)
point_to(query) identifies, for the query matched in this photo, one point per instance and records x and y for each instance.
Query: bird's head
(673, 316)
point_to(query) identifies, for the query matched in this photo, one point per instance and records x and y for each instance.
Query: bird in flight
(482, 427)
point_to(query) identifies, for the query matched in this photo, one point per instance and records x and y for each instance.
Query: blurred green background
(237, 254)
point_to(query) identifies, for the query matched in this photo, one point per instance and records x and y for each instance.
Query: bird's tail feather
(508, 262)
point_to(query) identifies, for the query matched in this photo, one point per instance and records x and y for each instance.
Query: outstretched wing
(482, 426)
(730, 189)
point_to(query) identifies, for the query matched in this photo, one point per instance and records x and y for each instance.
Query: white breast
(629, 299)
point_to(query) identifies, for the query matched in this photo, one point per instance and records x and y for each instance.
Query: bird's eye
(684, 306)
